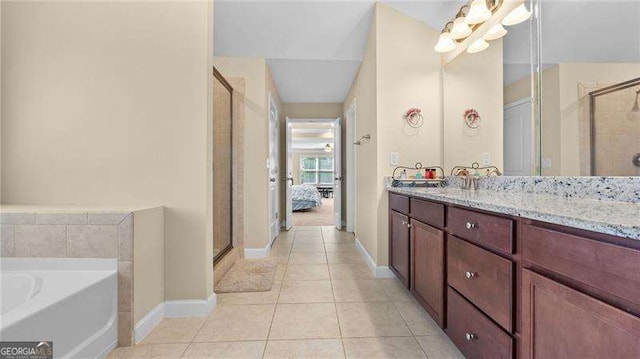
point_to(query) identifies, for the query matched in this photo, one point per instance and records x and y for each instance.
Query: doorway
(314, 175)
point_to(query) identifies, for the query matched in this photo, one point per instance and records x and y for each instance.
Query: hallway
(325, 303)
(317, 216)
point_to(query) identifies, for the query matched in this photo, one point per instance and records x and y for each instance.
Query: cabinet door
(427, 268)
(560, 322)
(399, 246)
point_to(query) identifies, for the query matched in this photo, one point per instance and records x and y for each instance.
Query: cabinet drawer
(492, 231)
(607, 267)
(399, 203)
(473, 333)
(428, 212)
(482, 277)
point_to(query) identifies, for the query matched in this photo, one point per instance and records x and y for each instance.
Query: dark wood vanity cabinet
(560, 322)
(508, 287)
(399, 246)
(427, 268)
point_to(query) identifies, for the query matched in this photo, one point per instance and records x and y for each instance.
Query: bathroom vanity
(520, 275)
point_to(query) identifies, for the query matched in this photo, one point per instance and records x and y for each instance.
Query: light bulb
(516, 16)
(496, 32)
(445, 43)
(477, 46)
(478, 12)
(460, 29)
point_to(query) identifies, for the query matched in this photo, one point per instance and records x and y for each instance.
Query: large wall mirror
(590, 65)
(556, 96)
(484, 121)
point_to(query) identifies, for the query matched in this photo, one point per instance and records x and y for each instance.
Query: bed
(305, 197)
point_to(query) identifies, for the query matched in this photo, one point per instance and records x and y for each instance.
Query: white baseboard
(148, 322)
(189, 307)
(172, 309)
(255, 253)
(378, 271)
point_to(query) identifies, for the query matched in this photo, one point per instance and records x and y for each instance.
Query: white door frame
(272, 165)
(350, 119)
(288, 170)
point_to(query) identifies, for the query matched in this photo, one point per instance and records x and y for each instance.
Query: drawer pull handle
(470, 225)
(470, 275)
(470, 336)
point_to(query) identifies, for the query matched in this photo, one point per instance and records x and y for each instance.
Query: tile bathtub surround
(306, 315)
(608, 217)
(77, 235)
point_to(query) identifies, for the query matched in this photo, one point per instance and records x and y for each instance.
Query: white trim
(519, 102)
(350, 167)
(378, 271)
(190, 307)
(148, 322)
(254, 253)
(172, 309)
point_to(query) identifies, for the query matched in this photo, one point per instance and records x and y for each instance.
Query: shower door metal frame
(218, 76)
(592, 113)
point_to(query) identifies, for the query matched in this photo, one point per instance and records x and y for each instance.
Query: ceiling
(311, 136)
(314, 47)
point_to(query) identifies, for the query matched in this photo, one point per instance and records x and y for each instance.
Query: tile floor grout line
(335, 307)
(275, 308)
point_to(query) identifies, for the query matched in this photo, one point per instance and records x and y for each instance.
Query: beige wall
(311, 110)
(364, 92)
(474, 81)
(96, 113)
(408, 76)
(148, 264)
(258, 84)
(400, 70)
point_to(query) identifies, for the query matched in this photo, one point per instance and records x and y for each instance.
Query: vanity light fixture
(496, 32)
(460, 29)
(478, 12)
(478, 46)
(445, 42)
(516, 16)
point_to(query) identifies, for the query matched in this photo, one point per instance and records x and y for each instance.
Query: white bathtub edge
(108, 350)
(172, 309)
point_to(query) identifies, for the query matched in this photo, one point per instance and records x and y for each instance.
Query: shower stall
(222, 166)
(614, 119)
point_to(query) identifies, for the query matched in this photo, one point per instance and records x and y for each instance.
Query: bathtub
(72, 302)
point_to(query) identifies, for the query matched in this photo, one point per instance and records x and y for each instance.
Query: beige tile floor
(325, 303)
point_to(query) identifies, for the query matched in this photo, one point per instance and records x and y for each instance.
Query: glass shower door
(222, 166)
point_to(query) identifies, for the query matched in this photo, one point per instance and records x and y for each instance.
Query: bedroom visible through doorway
(314, 171)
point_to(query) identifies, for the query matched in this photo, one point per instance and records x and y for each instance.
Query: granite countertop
(610, 217)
